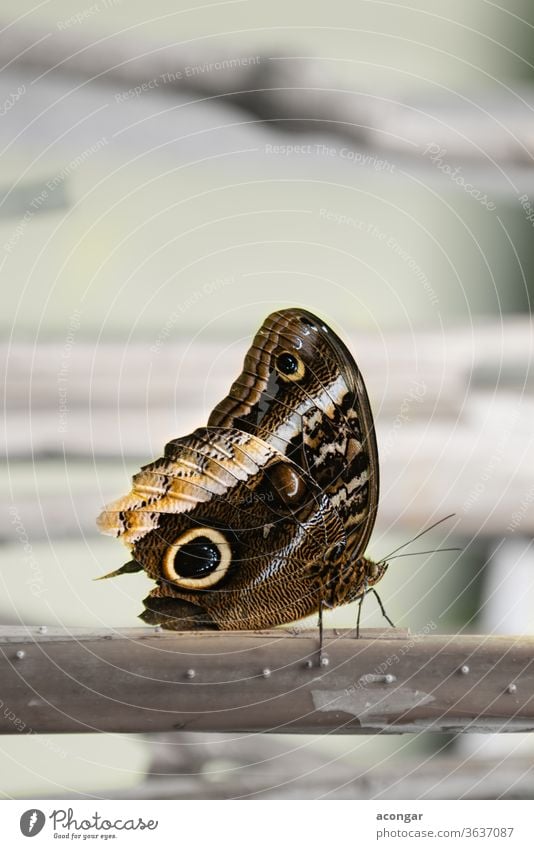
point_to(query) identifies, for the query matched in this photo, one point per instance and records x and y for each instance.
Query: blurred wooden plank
(299, 91)
(256, 766)
(451, 778)
(440, 369)
(454, 420)
(270, 681)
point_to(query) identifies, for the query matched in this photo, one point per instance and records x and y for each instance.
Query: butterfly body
(262, 516)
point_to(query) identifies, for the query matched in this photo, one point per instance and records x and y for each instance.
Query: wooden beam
(443, 778)
(274, 87)
(139, 680)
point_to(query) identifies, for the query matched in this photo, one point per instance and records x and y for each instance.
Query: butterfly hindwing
(230, 529)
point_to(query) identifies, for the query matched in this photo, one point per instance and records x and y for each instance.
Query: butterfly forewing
(322, 419)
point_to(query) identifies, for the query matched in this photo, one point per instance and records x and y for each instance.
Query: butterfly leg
(323, 660)
(360, 603)
(382, 608)
(320, 631)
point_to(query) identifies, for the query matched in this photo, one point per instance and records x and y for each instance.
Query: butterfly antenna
(419, 553)
(417, 536)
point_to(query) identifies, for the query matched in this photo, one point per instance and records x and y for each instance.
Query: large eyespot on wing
(199, 558)
(290, 366)
(276, 522)
(248, 558)
(276, 381)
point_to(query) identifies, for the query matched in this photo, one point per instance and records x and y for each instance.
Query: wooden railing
(142, 680)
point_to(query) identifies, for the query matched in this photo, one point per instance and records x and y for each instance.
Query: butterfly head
(374, 571)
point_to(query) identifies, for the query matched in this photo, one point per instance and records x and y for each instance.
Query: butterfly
(263, 516)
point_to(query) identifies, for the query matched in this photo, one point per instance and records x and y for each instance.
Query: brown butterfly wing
(251, 521)
(319, 415)
(226, 494)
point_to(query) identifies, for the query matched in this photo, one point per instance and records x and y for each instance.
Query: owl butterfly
(263, 516)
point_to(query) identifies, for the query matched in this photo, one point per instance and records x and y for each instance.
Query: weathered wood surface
(139, 680)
